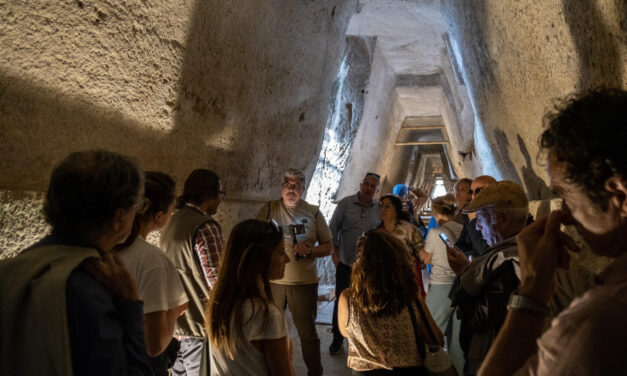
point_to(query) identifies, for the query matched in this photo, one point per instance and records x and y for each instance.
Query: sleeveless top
(381, 342)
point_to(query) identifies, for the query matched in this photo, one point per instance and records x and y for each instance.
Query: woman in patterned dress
(374, 313)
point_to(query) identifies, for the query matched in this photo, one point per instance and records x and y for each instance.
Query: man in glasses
(471, 241)
(483, 287)
(307, 237)
(353, 216)
(584, 144)
(193, 241)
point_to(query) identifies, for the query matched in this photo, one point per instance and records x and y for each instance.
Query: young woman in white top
(442, 276)
(248, 334)
(158, 283)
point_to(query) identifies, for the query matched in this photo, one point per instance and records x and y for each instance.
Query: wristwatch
(526, 304)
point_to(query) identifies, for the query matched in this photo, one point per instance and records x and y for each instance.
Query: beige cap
(502, 194)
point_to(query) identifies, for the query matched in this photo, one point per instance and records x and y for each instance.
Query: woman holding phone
(248, 334)
(442, 276)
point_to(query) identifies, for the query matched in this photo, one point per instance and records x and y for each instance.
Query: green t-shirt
(303, 271)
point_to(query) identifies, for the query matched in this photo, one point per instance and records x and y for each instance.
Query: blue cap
(400, 190)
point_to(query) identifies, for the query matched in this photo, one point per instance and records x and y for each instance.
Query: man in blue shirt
(353, 216)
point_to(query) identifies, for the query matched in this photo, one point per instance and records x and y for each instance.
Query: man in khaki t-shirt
(298, 288)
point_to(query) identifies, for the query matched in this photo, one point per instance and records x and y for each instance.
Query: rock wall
(177, 85)
(517, 57)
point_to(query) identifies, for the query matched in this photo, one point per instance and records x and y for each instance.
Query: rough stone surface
(517, 57)
(22, 221)
(184, 85)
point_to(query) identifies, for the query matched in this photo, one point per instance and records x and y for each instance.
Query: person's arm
(208, 244)
(335, 227)
(159, 327)
(342, 312)
(425, 256)
(321, 250)
(105, 320)
(325, 243)
(431, 246)
(457, 260)
(278, 356)
(542, 248)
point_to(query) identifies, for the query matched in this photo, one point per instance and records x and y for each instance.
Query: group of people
(95, 297)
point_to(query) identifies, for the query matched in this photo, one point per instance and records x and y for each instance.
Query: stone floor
(333, 365)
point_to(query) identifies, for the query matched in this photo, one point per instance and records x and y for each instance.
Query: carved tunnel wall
(249, 88)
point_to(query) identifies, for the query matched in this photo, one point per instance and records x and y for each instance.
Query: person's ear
(617, 187)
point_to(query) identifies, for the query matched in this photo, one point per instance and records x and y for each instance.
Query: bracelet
(526, 304)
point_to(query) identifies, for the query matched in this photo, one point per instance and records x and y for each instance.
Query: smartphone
(446, 241)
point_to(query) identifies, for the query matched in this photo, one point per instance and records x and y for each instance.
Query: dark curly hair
(85, 191)
(588, 132)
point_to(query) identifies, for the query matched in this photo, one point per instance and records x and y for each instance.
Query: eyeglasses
(376, 176)
(292, 187)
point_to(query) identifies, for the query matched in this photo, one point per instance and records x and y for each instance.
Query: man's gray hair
(293, 173)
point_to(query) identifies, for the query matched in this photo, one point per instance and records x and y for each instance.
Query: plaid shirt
(208, 244)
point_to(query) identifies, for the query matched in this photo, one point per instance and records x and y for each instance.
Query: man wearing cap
(353, 216)
(485, 285)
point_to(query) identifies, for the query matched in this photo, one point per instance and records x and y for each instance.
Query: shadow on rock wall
(501, 146)
(597, 48)
(41, 126)
(536, 187)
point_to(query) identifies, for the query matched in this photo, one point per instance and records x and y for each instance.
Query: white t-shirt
(247, 359)
(158, 283)
(441, 273)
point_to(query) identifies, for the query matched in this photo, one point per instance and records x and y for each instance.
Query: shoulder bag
(434, 359)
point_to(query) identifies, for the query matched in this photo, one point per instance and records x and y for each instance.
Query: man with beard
(307, 237)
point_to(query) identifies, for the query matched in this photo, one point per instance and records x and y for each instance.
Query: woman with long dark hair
(158, 282)
(394, 221)
(375, 313)
(247, 332)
